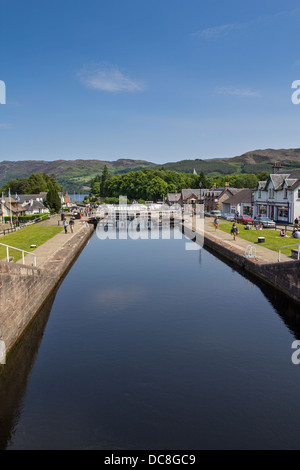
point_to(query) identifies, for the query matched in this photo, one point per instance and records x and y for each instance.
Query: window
(262, 210)
(298, 193)
(271, 193)
(285, 194)
(259, 193)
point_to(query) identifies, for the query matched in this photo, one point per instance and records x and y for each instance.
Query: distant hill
(255, 162)
(75, 175)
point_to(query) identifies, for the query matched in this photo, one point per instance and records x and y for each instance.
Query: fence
(24, 224)
(289, 246)
(18, 249)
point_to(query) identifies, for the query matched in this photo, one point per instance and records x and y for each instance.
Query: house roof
(28, 197)
(244, 195)
(292, 181)
(261, 185)
(186, 193)
(173, 197)
(295, 184)
(13, 207)
(278, 180)
(34, 206)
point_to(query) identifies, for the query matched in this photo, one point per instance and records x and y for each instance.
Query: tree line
(152, 184)
(34, 184)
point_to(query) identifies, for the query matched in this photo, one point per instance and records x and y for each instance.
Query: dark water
(150, 346)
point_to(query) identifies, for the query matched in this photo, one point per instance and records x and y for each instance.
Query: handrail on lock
(18, 249)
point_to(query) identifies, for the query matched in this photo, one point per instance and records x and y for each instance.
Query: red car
(245, 219)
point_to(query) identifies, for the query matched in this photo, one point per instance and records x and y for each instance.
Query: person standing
(234, 231)
(72, 225)
(66, 225)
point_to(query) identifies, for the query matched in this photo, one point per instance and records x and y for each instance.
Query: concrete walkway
(262, 254)
(45, 251)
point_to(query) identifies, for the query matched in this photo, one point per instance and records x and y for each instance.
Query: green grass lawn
(23, 238)
(273, 240)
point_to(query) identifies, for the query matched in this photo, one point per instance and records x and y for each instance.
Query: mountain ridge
(75, 175)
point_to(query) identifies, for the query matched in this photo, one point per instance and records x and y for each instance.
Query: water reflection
(151, 346)
(286, 308)
(15, 375)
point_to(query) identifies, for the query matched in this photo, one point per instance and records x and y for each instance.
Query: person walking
(216, 223)
(66, 225)
(234, 231)
(72, 225)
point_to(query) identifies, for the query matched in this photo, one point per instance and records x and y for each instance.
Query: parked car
(245, 219)
(216, 213)
(265, 221)
(230, 217)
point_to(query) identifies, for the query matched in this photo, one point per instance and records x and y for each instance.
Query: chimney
(227, 185)
(276, 167)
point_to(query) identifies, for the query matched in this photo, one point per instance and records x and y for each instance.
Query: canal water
(147, 345)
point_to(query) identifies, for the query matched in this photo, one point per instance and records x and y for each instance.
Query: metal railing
(289, 246)
(22, 224)
(18, 249)
(250, 252)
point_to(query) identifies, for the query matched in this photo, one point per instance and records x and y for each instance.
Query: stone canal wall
(24, 289)
(283, 276)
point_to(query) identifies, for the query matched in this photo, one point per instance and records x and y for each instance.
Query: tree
(203, 180)
(36, 183)
(95, 186)
(156, 188)
(104, 178)
(52, 199)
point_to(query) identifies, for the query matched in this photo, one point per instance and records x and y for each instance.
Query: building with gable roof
(211, 198)
(279, 196)
(241, 203)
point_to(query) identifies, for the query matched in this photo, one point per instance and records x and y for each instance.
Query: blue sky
(157, 80)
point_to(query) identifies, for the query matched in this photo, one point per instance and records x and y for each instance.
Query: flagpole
(2, 207)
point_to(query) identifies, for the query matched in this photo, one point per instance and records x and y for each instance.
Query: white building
(279, 196)
(33, 203)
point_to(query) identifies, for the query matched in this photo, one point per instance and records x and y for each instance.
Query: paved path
(49, 248)
(264, 254)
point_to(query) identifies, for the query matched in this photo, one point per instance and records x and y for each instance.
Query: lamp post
(9, 195)
(200, 186)
(2, 207)
(17, 199)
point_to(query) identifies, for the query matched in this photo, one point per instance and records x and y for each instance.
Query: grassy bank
(22, 239)
(273, 240)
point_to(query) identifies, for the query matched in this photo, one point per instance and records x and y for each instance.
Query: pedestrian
(216, 223)
(66, 225)
(234, 231)
(296, 221)
(296, 234)
(72, 225)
